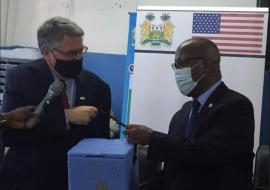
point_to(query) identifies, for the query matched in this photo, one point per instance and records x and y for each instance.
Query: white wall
(8, 18)
(214, 3)
(4, 5)
(105, 21)
(26, 16)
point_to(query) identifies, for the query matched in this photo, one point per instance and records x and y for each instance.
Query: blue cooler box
(100, 164)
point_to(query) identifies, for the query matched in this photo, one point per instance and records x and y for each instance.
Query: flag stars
(206, 23)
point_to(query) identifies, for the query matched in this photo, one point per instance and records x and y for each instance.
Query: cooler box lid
(107, 148)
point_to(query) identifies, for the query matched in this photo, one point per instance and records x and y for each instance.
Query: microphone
(54, 90)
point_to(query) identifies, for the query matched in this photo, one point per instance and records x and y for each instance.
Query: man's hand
(138, 134)
(17, 118)
(81, 115)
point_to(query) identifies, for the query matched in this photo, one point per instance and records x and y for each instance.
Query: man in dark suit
(37, 158)
(210, 141)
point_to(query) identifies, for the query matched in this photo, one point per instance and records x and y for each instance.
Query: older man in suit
(210, 141)
(37, 158)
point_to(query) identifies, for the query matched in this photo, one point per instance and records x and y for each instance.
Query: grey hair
(53, 31)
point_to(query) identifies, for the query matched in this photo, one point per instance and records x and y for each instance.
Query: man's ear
(206, 64)
(45, 51)
(47, 55)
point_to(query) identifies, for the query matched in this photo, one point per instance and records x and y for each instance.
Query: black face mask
(68, 69)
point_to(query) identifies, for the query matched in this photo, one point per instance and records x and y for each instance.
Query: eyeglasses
(180, 64)
(73, 53)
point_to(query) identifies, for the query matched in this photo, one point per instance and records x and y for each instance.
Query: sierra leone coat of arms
(157, 34)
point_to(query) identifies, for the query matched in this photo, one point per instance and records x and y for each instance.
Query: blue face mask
(184, 79)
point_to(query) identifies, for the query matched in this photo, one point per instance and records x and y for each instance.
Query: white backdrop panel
(155, 97)
(183, 25)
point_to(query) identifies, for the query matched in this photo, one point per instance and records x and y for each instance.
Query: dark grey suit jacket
(218, 156)
(37, 159)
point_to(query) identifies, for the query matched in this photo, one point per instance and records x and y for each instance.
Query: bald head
(200, 47)
(202, 55)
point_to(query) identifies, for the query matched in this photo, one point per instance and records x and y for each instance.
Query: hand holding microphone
(16, 118)
(54, 90)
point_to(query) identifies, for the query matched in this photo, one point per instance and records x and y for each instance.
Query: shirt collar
(205, 95)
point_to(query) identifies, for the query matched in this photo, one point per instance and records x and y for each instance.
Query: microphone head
(54, 90)
(56, 87)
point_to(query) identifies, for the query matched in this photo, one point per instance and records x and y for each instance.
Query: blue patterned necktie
(192, 119)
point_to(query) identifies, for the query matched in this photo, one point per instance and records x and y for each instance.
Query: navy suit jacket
(218, 156)
(37, 158)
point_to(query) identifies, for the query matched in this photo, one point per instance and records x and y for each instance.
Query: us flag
(233, 33)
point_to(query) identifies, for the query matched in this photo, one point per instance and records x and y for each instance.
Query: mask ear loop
(53, 70)
(203, 75)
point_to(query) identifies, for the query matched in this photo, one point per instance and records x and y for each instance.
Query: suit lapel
(42, 78)
(84, 92)
(212, 104)
(81, 94)
(178, 128)
(44, 73)
(186, 119)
